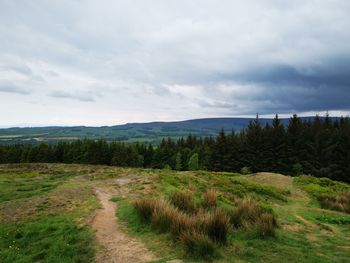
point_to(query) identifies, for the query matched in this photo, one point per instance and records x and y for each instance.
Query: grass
(210, 199)
(198, 245)
(306, 232)
(339, 202)
(49, 239)
(197, 230)
(321, 186)
(183, 200)
(330, 194)
(43, 214)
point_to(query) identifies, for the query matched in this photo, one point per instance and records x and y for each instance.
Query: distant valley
(151, 132)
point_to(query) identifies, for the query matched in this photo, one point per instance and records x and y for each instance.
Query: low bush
(198, 245)
(210, 198)
(246, 170)
(184, 201)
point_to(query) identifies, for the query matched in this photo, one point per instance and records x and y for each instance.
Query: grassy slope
(303, 236)
(44, 210)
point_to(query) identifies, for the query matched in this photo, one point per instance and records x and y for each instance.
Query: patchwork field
(86, 213)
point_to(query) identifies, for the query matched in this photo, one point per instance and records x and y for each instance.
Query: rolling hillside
(143, 132)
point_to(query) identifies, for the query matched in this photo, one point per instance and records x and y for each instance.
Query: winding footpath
(118, 247)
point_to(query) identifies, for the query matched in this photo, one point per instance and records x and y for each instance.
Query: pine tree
(193, 163)
(178, 165)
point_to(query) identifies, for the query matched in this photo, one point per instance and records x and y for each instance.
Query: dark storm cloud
(295, 89)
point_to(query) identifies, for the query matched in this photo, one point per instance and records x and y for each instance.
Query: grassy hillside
(141, 132)
(46, 212)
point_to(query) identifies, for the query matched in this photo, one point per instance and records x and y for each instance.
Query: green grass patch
(337, 220)
(321, 186)
(24, 188)
(116, 199)
(49, 239)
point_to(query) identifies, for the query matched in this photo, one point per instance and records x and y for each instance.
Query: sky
(107, 62)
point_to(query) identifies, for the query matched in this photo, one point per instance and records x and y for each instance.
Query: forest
(318, 146)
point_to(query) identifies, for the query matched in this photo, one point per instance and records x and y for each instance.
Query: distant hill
(143, 132)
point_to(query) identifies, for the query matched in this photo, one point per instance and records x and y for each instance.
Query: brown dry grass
(184, 201)
(210, 198)
(340, 202)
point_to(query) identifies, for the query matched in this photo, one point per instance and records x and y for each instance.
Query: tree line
(318, 146)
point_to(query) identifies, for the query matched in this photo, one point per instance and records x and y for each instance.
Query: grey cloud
(8, 86)
(80, 96)
(288, 57)
(21, 69)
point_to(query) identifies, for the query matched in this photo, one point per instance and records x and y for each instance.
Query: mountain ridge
(151, 132)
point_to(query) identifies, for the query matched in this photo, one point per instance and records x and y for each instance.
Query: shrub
(246, 170)
(266, 225)
(167, 167)
(145, 208)
(183, 200)
(197, 244)
(340, 202)
(217, 226)
(297, 169)
(210, 198)
(193, 163)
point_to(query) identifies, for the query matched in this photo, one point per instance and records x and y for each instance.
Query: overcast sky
(72, 62)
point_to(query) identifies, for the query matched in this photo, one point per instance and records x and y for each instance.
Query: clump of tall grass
(184, 201)
(210, 198)
(163, 215)
(217, 226)
(182, 223)
(249, 214)
(266, 225)
(340, 202)
(198, 244)
(145, 208)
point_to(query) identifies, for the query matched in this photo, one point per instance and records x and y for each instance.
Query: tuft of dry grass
(217, 226)
(182, 223)
(198, 244)
(250, 214)
(340, 202)
(266, 225)
(246, 213)
(145, 208)
(184, 201)
(210, 198)
(163, 215)
(192, 187)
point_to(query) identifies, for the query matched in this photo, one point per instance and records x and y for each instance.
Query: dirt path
(119, 248)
